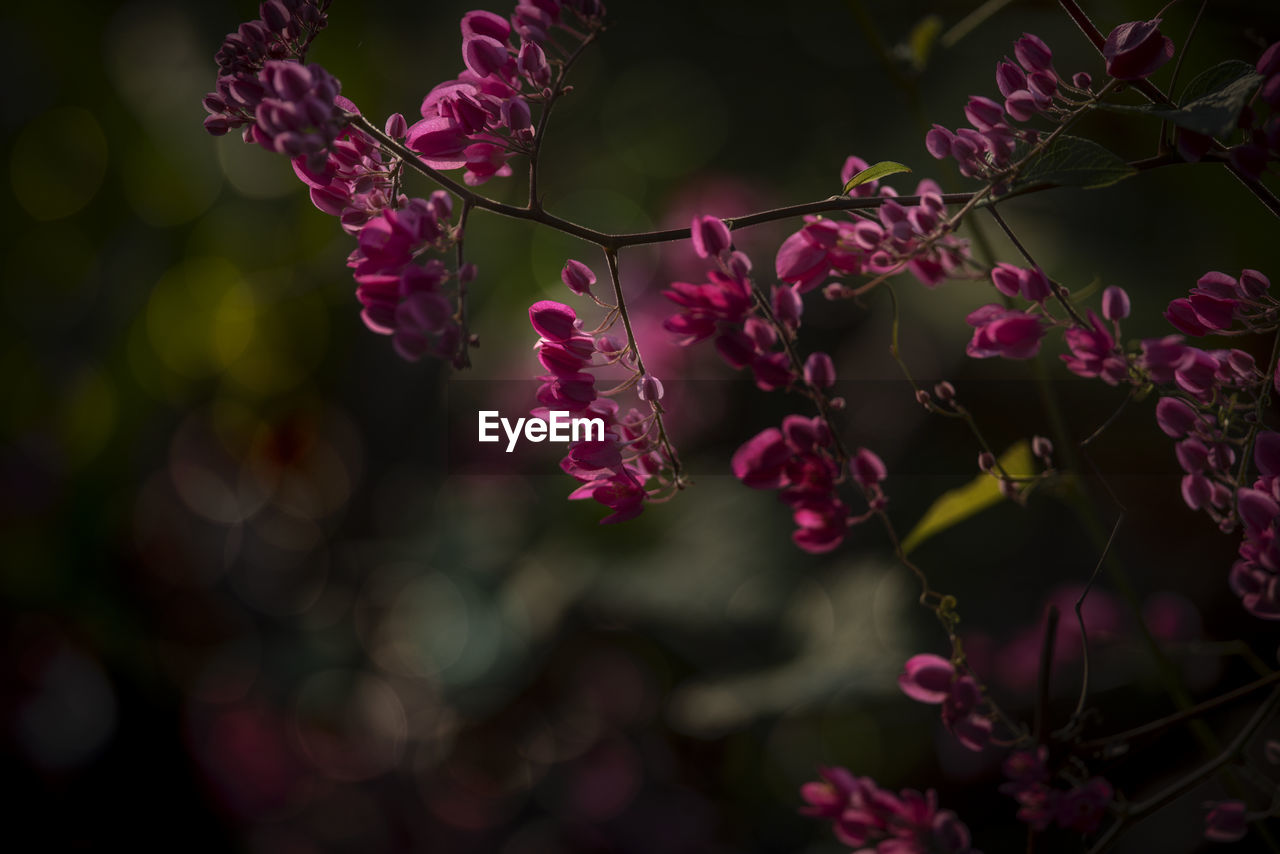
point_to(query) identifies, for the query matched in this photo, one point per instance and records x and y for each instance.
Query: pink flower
(710, 236)
(932, 679)
(553, 320)
(1225, 821)
(1135, 50)
(999, 331)
(869, 818)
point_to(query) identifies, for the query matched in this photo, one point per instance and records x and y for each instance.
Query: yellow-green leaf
(923, 36)
(875, 173)
(956, 505)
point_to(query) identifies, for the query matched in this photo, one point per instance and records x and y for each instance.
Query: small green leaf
(1211, 103)
(956, 505)
(875, 173)
(922, 39)
(1215, 79)
(1070, 161)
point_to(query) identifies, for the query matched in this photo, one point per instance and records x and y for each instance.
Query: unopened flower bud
(922, 398)
(467, 273)
(577, 277)
(819, 370)
(945, 391)
(1115, 303)
(1042, 447)
(787, 305)
(710, 236)
(532, 63)
(649, 388)
(396, 126)
(867, 468)
(986, 461)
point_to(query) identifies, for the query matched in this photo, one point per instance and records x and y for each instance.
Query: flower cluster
(1080, 808)
(901, 237)
(614, 468)
(802, 459)
(401, 295)
(727, 307)
(356, 182)
(1030, 87)
(932, 679)
(1093, 350)
(480, 119)
(868, 818)
(1255, 577)
(798, 461)
(282, 34)
(1219, 300)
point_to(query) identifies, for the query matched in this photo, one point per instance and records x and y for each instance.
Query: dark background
(262, 597)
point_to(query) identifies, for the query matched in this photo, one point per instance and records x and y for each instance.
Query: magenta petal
(552, 320)
(1266, 453)
(1257, 510)
(927, 678)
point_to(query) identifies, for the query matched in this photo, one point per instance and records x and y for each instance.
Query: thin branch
(1189, 781)
(557, 89)
(464, 345)
(1053, 286)
(1179, 716)
(611, 258)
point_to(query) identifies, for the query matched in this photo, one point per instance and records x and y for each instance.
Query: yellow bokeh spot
(200, 317)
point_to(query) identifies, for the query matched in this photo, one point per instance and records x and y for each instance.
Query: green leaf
(1215, 79)
(875, 173)
(922, 39)
(1211, 103)
(1070, 161)
(956, 505)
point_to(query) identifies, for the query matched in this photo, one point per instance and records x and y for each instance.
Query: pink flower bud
(710, 236)
(945, 391)
(1225, 821)
(532, 63)
(922, 398)
(1115, 303)
(787, 305)
(1082, 80)
(819, 370)
(396, 126)
(986, 461)
(483, 55)
(577, 277)
(1175, 417)
(467, 273)
(649, 388)
(1007, 278)
(1041, 447)
(1010, 78)
(1135, 50)
(867, 468)
(1252, 284)
(1033, 54)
